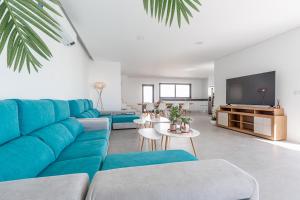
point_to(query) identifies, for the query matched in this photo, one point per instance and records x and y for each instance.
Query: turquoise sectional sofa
(83, 108)
(38, 138)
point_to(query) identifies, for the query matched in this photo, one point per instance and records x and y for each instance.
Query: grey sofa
(196, 180)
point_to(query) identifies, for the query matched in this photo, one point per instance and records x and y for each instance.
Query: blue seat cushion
(24, 157)
(85, 149)
(115, 161)
(56, 136)
(89, 165)
(94, 135)
(124, 118)
(9, 121)
(74, 126)
(76, 107)
(35, 114)
(62, 110)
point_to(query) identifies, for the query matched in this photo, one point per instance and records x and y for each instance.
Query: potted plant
(213, 119)
(174, 116)
(185, 124)
(157, 113)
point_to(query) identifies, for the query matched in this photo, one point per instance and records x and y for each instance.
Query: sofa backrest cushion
(91, 104)
(62, 110)
(96, 112)
(24, 157)
(86, 105)
(76, 107)
(86, 114)
(74, 126)
(35, 114)
(9, 121)
(56, 136)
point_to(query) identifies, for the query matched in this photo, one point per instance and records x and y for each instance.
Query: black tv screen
(258, 89)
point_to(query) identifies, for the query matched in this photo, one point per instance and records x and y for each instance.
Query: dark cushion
(89, 165)
(85, 149)
(115, 161)
(76, 107)
(62, 110)
(124, 118)
(74, 126)
(9, 121)
(56, 136)
(35, 114)
(24, 157)
(94, 135)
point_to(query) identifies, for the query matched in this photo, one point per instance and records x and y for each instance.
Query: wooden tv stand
(268, 123)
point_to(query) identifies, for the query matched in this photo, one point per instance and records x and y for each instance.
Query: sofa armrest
(67, 187)
(94, 124)
(208, 179)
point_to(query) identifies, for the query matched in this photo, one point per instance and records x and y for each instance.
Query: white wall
(110, 73)
(63, 77)
(132, 88)
(281, 54)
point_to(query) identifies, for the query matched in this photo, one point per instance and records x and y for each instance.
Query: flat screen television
(258, 89)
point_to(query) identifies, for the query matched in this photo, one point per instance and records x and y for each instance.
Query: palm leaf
(165, 10)
(18, 21)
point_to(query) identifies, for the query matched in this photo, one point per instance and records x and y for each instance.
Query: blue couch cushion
(9, 121)
(76, 107)
(115, 161)
(91, 104)
(74, 126)
(56, 136)
(35, 114)
(62, 110)
(24, 157)
(85, 149)
(124, 118)
(89, 165)
(94, 135)
(85, 114)
(86, 105)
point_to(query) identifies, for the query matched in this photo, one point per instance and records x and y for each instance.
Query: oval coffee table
(151, 135)
(163, 129)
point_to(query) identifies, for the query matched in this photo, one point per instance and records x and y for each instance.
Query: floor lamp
(99, 86)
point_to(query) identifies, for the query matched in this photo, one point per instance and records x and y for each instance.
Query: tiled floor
(276, 165)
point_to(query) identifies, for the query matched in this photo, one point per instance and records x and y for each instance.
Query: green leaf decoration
(165, 10)
(19, 22)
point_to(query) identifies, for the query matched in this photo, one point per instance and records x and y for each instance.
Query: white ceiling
(111, 28)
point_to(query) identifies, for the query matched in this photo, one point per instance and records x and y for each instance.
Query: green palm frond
(19, 22)
(165, 10)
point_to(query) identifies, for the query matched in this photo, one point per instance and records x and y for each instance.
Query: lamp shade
(99, 85)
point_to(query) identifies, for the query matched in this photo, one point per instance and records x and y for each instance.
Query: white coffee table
(163, 129)
(151, 135)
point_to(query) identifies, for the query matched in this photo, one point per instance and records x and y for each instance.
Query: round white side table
(163, 129)
(151, 135)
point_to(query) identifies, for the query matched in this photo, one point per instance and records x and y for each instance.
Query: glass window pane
(148, 94)
(183, 91)
(167, 90)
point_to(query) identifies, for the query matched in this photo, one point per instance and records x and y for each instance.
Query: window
(174, 90)
(148, 93)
